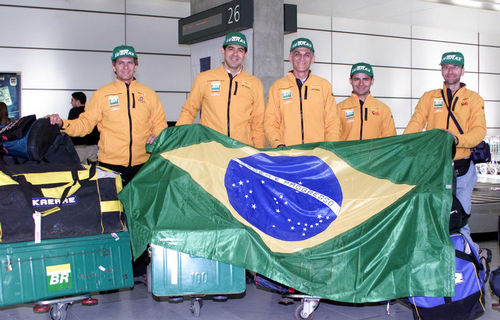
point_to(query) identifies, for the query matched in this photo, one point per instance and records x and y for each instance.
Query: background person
(4, 114)
(86, 146)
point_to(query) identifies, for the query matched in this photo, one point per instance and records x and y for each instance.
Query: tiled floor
(138, 304)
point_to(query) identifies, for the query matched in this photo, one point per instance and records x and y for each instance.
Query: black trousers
(127, 173)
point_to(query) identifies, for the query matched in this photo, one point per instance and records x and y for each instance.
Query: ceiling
(415, 12)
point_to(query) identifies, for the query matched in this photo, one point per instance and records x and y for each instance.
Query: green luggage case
(64, 267)
(175, 273)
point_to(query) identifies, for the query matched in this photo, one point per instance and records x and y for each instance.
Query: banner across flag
(354, 221)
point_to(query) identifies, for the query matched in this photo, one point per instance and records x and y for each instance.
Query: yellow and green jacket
(125, 117)
(370, 121)
(296, 117)
(467, 106)
(232, 106)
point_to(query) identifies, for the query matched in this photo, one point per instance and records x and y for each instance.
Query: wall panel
(488, 59)
(376, 50)
(44, 28)
(401, 110)
(440, 34)
(93, 5)
(489, 86)
(370, 27)
(320, 40)
(163, 30)
(427, 54)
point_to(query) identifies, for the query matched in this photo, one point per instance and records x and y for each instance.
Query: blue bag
(468, 302)
(266, 283)
(495, 281)
(28, 138)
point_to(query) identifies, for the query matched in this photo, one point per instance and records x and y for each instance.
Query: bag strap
(27, 188)
(451, 113)
(470, 257)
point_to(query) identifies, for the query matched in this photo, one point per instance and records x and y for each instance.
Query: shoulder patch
(246, 84)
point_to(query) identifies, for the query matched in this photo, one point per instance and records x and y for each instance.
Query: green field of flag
(357, 221)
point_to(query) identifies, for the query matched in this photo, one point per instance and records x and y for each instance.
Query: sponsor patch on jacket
(349, 113)
(286, 94)
(375, 112)
(113, 101)
(215, 86)
(246, 84)
(315, 87)
(438, 103)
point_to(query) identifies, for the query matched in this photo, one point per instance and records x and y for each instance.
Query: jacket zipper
(130, 125)
(301, 114)
(361, 124)
(229, 104)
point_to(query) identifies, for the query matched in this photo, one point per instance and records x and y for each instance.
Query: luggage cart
(177, 275)
(308, 303)
(59, 272)
(491, 168)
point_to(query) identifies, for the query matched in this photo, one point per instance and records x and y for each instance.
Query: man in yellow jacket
(301, 107)
(435, 109)
(231, 100)
(361, 115)
(128, 115)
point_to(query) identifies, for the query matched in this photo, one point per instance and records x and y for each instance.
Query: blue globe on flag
(288, 198)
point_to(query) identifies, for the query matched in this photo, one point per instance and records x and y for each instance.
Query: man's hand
(151, 138)
(55, 119)
(454, 136)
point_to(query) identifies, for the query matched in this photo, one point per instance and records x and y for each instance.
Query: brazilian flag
(356, 221)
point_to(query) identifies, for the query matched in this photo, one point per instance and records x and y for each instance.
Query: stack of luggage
(58, 218)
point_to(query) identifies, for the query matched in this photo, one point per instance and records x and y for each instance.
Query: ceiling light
(477, 4)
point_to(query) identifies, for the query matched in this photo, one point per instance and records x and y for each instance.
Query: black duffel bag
(73, 201)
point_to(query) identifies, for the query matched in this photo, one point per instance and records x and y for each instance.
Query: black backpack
(29, 140)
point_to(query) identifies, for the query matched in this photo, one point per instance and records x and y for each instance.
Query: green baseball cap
(455, 58)
(123, 51)
(302, 42)
(236, 38)
(362, 67)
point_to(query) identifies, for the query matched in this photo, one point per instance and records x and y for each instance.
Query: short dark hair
(136, 62)
(80, 96)
(225, 46)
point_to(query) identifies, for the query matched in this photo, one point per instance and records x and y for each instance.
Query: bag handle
(64, 191)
